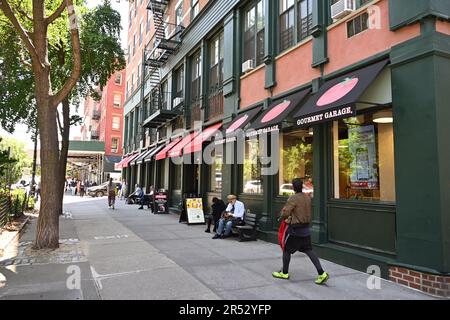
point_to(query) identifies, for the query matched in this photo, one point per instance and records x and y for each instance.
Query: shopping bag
(282, 232)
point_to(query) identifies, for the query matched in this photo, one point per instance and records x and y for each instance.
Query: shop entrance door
(191, 177)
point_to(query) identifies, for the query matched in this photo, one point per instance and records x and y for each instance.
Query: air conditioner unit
(248, 66)
(342, 8)
(177, 102)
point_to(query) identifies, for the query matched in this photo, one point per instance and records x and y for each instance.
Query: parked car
(252, 186)
(286, 189)
(100, 190)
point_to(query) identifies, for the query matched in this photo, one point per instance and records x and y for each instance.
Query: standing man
(234, 213)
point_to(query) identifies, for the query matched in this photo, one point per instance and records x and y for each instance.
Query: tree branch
(6, 8)
(23, 13)
(23, 61)
(76, 68)
(61, 129)
(55, 15)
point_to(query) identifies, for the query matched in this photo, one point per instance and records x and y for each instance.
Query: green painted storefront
(413, 232)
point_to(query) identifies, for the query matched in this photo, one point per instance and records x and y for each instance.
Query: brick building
(103, 121)
(352, 92)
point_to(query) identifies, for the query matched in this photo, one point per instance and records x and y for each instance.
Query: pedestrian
(297, 214)
(38, 191)
(82, 188)
(123, 193)
(217, 208)
(111, 191)
(73, 186)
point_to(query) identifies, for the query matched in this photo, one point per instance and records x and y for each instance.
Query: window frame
(118, 76)
(331, 170)
(195, 9)
(179, 14)
(296, 9)
(257, 33)
(112, 144)
(117, 105)
(115, 122)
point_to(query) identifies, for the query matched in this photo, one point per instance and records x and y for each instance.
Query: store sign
(223, 141)
(194, 208)
(328, 115)
(160, 201)
(258, 132)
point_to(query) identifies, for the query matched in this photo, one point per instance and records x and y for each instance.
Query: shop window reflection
(252, 181)
(216, 172)
(364, 157)
(296, 161)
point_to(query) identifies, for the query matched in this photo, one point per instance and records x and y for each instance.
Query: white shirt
(239, 209)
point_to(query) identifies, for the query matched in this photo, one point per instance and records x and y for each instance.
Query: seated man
(233, 214)
(136, 196)
(147, 199)
(218, 207)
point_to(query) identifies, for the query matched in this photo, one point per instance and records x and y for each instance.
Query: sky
(21, 130)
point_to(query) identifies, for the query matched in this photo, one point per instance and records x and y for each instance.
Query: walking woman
(297, 214)
(111, 190)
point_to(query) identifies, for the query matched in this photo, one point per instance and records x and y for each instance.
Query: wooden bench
(248, 231)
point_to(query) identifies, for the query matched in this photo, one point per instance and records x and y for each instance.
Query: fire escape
(165, 41)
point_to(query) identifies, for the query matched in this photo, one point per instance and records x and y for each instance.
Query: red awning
(163, 153)
(177, 150)
(196, 144)
(120, 164)
(129, 159)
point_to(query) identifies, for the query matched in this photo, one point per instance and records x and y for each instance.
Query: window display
(364, 157)
(296, 161)
(252, 182)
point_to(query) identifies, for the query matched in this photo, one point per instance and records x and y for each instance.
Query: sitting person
(233, 215)
(136, 196)
(147, 199)
(218, 207)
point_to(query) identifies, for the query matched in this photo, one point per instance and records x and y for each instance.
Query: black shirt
(218, 208)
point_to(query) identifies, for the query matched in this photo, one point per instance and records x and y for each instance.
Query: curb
(13, 236)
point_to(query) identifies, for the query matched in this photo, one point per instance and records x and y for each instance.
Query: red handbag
(282, 234)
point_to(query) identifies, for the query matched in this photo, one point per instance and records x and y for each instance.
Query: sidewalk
(131, 254)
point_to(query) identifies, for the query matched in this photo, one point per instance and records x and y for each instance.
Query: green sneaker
(322, 278)
(280, 275)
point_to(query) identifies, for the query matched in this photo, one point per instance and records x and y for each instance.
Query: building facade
(349, 95)
(103, 121)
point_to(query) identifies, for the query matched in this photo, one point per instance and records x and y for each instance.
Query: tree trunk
(47, 232)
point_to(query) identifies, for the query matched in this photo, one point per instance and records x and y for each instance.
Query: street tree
(63, 67)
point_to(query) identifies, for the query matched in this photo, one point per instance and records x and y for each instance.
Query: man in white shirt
(233, 213)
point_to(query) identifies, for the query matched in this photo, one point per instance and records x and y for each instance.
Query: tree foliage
(18, 160)
(101, 56)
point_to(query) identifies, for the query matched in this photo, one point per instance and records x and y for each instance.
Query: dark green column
(320, 180)
(319, 32)
(270, 38)
(421, 95)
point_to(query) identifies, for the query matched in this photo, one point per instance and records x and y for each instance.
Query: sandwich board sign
(194, 210)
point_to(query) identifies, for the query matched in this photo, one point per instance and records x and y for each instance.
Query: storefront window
(364, 157)
(296, 161)
(216, 173)
(252, 182)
